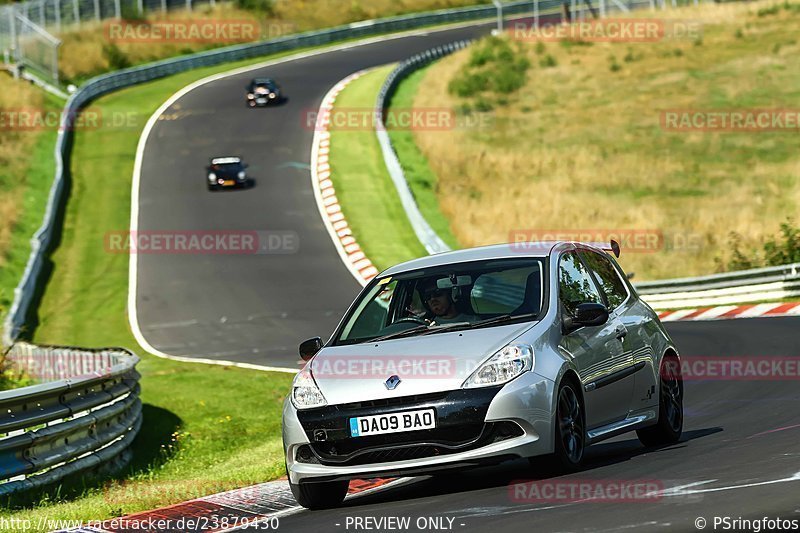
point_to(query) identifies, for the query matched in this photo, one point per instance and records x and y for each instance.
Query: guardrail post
(499, 8)
(164, 6)
(12, 23)
(97, 9)
(57, 8)
(76, 12)
(117, 9)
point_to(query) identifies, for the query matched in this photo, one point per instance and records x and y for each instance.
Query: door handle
(621, 331)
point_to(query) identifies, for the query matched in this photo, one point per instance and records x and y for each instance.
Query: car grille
(361, 451)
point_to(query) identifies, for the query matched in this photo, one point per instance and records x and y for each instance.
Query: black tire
(212, 188)
(570, 430)
(670, 407)
(320, 495)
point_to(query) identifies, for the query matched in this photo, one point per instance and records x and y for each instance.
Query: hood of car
(424, 364)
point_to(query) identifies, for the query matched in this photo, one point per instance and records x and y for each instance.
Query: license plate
(392, 423)
(228, 182)
(261, 100)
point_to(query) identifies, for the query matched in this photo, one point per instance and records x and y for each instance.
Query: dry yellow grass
(84, 51)
(14, 97)
(581, 147)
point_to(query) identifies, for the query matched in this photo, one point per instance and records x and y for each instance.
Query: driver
(441, 304)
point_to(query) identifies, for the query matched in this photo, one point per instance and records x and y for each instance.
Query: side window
(607, 277)
(575, 285)
(372, 314)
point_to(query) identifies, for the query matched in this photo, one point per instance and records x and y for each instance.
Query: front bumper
(474, 426)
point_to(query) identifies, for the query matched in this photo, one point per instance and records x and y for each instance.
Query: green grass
(366, 193)
(35, 187)
(421, 179)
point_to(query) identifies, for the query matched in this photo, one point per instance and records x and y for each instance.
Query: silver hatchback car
(479, 356)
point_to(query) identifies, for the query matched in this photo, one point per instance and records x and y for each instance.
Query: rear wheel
(670, 409)
(320, 495)
(570, 428)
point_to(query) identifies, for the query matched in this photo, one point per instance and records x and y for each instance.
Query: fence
(83, 421)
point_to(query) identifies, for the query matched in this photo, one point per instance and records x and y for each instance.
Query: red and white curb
(724, 312)
(327, 202)
(255, 507)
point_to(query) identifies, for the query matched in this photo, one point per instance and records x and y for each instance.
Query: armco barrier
(771, 283)
(106, 83)
(82, 421)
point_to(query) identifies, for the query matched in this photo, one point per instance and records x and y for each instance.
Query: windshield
(461, 296)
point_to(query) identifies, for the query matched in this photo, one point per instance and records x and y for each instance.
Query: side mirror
(310, 347)
(586, 314)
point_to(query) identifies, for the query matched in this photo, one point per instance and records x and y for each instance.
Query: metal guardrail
(84, 420)
(106, 83)
(771, 283)
(426, 235)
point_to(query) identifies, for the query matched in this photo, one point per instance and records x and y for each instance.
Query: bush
(116, 58)
(782, 250)
(548, 61)
(260, 6)
(494, 66)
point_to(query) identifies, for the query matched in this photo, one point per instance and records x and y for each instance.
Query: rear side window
(607, 278)
(575, 285)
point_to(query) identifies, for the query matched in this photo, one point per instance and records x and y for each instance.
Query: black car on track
(262, 92)
(226, 172)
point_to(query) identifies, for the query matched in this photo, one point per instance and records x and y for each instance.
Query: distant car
(226, 172)
(263, 92)
(477, 356)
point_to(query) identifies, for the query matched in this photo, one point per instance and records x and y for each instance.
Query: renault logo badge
(392, 382)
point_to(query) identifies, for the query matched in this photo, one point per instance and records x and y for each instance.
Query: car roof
(226, 160)
(495, 251)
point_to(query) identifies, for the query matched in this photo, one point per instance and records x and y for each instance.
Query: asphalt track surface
(249, 308)
(740, 453)
(736, 433)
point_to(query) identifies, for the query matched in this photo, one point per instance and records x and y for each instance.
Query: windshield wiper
(501, 318)
(398, 334)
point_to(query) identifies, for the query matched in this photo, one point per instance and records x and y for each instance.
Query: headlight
(272, 95)
(241, 175)
(305, 393)
(211, 176)
(502, 367)
(250, 96)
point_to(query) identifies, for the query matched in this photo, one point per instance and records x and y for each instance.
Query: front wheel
(670, 407)
(570, 428)
(320, 495)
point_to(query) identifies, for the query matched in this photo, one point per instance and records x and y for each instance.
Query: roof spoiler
(612, 247)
